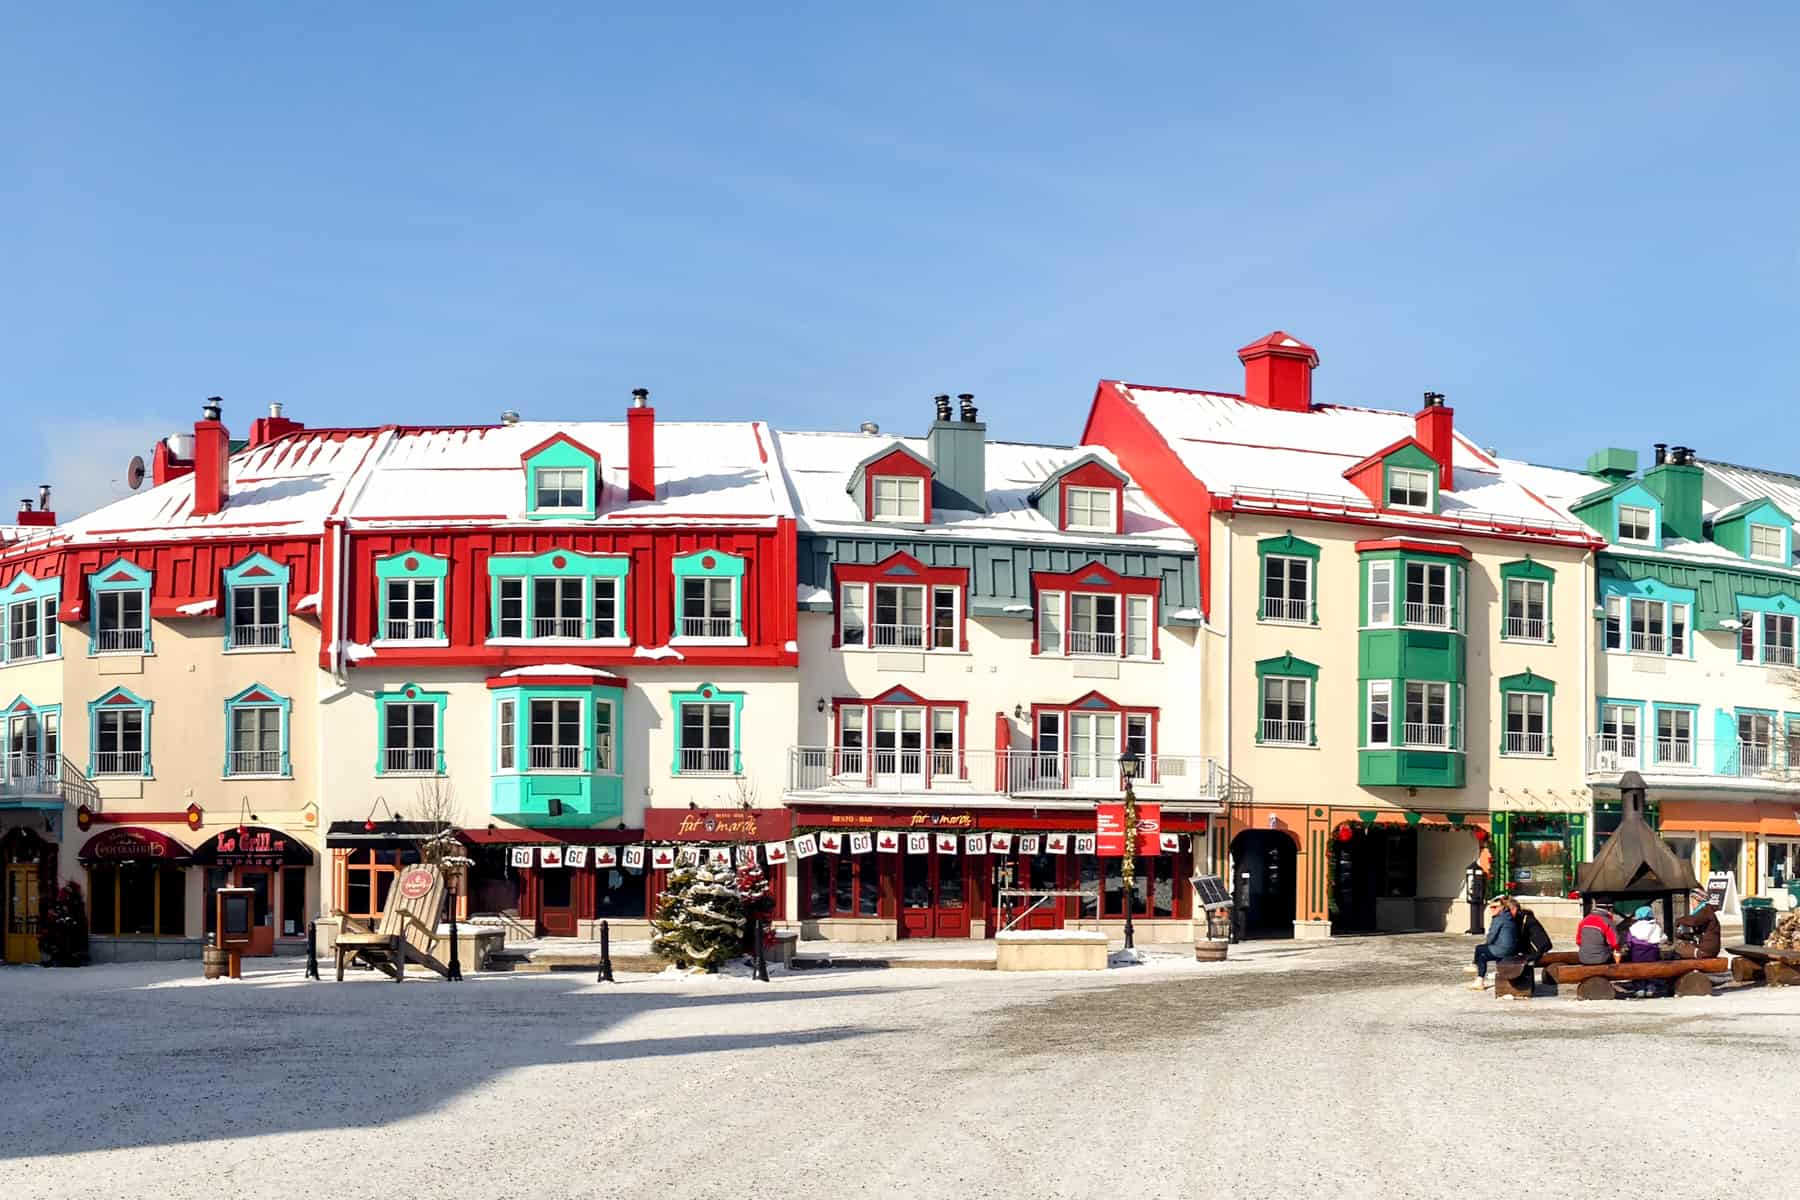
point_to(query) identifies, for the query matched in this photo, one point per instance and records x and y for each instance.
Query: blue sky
(1578, 221)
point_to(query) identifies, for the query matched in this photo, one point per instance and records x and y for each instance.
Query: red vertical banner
(1149, 829)
(1109, 830)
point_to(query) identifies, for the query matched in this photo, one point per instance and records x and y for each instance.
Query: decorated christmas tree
(699, 921)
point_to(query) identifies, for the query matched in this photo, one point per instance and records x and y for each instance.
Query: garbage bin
(1759, 920)
(1794, 891)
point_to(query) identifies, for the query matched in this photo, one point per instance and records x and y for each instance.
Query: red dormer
(1402, 475)
(1086, 496)
(893, 485)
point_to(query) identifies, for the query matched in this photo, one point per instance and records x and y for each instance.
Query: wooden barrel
(216, 962)
(1210, 951)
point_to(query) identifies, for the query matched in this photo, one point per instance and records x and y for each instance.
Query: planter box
(1050, 950)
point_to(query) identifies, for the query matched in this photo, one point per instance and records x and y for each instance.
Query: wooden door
(260, 880)
(556, 902)
(21, 914)
(950, 887)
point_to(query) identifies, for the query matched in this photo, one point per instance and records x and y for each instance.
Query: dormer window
(560, 488)
(1637, 525)
(1768, 543)
(562, 480)
(897, 498)
(1409, 487)
(1093, 510)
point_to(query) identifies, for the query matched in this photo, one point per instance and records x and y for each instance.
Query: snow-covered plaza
(1348, 1068)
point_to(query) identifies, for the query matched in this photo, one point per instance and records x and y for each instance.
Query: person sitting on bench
(1502, 941)
(1534, 939)
(1595, 940)
(1697, 934)
(1645, 941)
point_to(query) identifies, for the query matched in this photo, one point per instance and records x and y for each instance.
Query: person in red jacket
(1596, 941)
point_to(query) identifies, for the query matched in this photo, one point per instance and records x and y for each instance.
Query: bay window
(1428, 594)
(554, 730)
(1380, 701)
(1381, 593)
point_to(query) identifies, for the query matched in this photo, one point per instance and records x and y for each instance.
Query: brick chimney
(1433, 426)
(267, 429)
(1278, 372)
(640, 433)
(212, 457)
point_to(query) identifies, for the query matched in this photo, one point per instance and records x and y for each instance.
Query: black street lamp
(1129, 765)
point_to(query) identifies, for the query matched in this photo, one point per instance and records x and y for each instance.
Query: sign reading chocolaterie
(133, 844)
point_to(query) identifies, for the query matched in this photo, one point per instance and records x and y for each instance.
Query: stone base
(1311, 931)
(620, 929)
(849, 929)
(1062, 950)
(474, 943)
(1145, 931)
(143, 949)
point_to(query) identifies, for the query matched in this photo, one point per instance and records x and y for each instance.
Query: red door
(1029, 873)
(556, 902)
(260, 880)
(934, 898)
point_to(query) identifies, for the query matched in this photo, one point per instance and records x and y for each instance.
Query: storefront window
(368, 874)
(1784, 863)
(293, 901)
(843, 885)
(1156, 890)
(1540, 856)
(1724, 852)
(618, 892)
(137, 899)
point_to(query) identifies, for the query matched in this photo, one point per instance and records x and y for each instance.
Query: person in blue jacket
(1502, 942)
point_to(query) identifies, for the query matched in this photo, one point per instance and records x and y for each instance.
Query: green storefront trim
(1510, 828)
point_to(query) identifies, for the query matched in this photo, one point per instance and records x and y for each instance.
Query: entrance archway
(1263, 861)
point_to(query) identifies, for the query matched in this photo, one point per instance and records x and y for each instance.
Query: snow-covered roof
(1277, 458)
(817, 466)
(1726, 486)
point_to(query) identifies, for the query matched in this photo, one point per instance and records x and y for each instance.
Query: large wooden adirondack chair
(408, 929)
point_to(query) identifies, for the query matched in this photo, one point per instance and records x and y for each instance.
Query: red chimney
(212, 455)
(640, 430)
(267, 429)
(1433, 426)
(1278, 372)
(42, 515)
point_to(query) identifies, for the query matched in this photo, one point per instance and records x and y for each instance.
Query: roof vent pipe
(1662, 452)
(869, 428)
(943, 407)
(275, 408)
(967, 400)
(640, 397)
(212, 408)
(44, 496)
(508, 417)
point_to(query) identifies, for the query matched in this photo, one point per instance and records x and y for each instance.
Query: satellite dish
(134, 472)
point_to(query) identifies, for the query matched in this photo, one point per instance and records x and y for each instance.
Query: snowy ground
(1351, 1068)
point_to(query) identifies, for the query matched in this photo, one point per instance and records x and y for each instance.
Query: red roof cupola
(1278, 372)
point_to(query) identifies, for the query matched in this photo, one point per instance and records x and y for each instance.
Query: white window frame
(1409, 482)
(851, 753)
(1139, 640)
(1285, 609)
(606, 745)
(1775, 554)
(1381, 575)
(904, 500)
(1284, 730)
(709, 753)
(257, 635)
(1382, 690)
(43, 640)
(506, 737)
(1647, 522)
(234, 754)
(403, 760)
(1523, 627)
(130, 639)
(1663, 748)
(1525, 743)
(408, 628)
(540, 474)
(119, 761)
(708, 584)
(1625, 745)
(1423, 619)
(853, 601)
(556, 758)
(1091, 509)
(1094, 642)
(900, 634)
(615, 635)
(1425, 742)
(1052, 611)
(1776, 638)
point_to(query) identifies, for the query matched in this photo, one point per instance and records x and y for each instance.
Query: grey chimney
(958, 451)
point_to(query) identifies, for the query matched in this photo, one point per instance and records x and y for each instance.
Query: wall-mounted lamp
(821, 704)
(1018, 712)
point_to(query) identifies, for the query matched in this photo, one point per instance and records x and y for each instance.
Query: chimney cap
(1279, 343)
(43, 495)
(212, 408)
(274, 408)
(942, 402)
(509, 416)
(968, 407)
(640, 397)
(1434, 399)
(869, 429)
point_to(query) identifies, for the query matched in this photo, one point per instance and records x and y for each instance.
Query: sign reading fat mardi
(919, 819)
(715, 824)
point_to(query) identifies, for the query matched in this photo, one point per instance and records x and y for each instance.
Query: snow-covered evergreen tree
(699, 921)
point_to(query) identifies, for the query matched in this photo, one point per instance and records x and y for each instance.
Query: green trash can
(1759, 920)
(1793, 890)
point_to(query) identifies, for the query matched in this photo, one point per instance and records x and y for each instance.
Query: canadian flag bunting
(521, 856)
(776, 852)
(1000, 843)
(575, 856)
(662, 857)
(1171, 843)
(975, 843)
(888, 842)
(946, 843)
(550, 856)
(634, 857)
(608, 856)
(806, 845)
(719, 856)
(1056, 843)
(831, 843)
(1084, 843)
(1028, 843)
(746, 855)
(862, 843)
(918, 843)
(688, 856)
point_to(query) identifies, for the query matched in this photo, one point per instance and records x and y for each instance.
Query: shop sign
(922, 818)
(415, 882)
(251, 848)
(131, 844)
(1109, 831)
(715, 824)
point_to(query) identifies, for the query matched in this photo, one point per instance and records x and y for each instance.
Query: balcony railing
(22, 649)
(1434, 616)
(411, 759)
(556, 627)
(709, 627)
(29, 775)
(1426, 736)
(1518, 742)
(107, 641)
(256, 635)
(1278, 608)
(1284, 733)
(1006, 772)
(706, 762)
(1643, 642)
(118, 762)
(908, 637)
(254, 762)
(415, 630)
(555, 758)
(1092, 641)
(1525, 629)
(1773, 760)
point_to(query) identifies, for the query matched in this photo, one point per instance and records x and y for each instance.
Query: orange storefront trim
(1769, 818)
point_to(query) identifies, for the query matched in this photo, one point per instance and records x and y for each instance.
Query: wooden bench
(1777, 968)
(1692, 976)
(1515, 977)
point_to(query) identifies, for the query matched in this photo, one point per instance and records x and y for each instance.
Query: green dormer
(562, 480)
(1625, 514)
(1755, 530)
(1400, 476)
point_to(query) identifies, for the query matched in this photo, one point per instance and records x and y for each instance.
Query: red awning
(133, 843)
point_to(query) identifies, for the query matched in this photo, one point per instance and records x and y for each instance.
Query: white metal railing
(1009, 772)
(706, 762)
(108, 640)
(555, 758)
(556, 627)
(1093, 641)
(256, 635)
(1526, 743)
(1427, 735)
(118, 762)
(911, 637)
(1674, 752)
(255, 762)
(1773, 759)
(29, 774)
(411, 758)
(707, 627)
(413, 630)
(21, 649)
(1283, 733)
(1430, 615)
(1459, 517)
(1647, 643)
(1530, 629)
(1279, 608)
(1778, 655)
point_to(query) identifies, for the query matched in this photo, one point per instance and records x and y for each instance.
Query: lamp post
(1129, 764)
